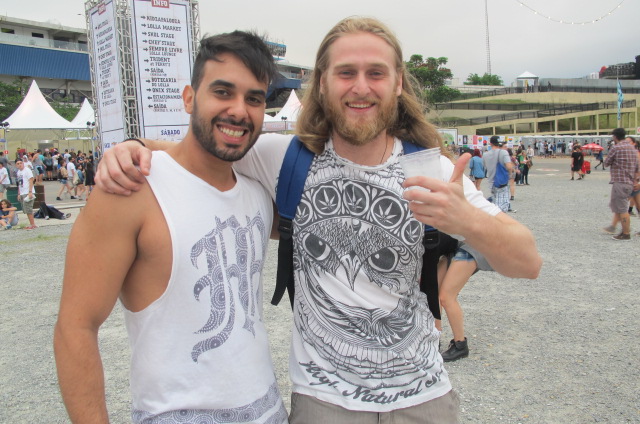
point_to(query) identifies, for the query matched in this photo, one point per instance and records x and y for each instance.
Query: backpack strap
(293, 174)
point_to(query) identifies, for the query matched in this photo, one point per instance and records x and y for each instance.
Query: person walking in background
(5, 182)
(48, 166)
(27, 192)
(477, 168)
(79, 182)
(514, 174)
(577, 160)
(71, 175)
(38, 165)
(521, 158)
(89, 175)
(3, 160)
(530, 152)
(600, 158)
(63, 178)
(622, 161)
(499, 194)
(465, 262)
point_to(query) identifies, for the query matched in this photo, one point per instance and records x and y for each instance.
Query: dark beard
(203, 132)
(359, 134)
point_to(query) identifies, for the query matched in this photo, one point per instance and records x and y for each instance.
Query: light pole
(284, 119)
(91, 126)
(486, 20)
(3, 140)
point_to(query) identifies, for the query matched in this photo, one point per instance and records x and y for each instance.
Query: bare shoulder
(104, 211)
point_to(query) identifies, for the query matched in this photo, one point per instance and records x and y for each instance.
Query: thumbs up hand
(443, 207)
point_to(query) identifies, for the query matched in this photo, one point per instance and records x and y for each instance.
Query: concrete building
(54, 55)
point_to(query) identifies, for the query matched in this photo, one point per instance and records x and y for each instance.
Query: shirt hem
(431, 394)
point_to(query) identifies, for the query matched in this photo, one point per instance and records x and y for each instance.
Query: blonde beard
(360, 134)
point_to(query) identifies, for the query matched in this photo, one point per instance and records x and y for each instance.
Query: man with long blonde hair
(364, 346)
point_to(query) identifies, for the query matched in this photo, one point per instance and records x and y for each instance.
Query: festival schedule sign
(106, 72)
(163, 61)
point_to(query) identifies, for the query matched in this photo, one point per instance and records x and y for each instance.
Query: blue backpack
(293, 175)
(501, 177)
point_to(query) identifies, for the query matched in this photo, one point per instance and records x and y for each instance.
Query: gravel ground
(559, 349)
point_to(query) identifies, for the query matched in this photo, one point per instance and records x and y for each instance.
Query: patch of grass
(503, 101)
(34, 238)
(44, 237)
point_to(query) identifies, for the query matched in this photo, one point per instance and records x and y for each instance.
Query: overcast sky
(520, 40)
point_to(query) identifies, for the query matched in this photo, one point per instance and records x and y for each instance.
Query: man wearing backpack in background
(497, 161)
(365, 347)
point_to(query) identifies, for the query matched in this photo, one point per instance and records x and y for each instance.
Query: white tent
(527, 80)
(85, 114)
(290, 110)
(269, 118)
(35, 113)
(527, 75)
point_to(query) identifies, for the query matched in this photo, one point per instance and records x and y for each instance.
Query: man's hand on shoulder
(123, 168)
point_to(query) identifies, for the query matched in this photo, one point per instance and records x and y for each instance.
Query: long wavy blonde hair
(313, 127)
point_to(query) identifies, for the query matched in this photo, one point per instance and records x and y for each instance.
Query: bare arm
(30, 193)
(103, 247)
(123, 167)
(508, 245)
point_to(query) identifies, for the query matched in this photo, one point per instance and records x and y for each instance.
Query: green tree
(11, 96)
(486, 79)
(65, 109)
(432, 76)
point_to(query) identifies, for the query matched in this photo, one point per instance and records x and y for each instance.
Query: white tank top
(200, 351)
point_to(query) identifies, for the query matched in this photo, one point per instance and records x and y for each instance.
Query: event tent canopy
(35, 113)
(85, 114)
(290, 110)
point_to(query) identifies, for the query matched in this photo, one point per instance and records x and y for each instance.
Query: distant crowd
(74, 170)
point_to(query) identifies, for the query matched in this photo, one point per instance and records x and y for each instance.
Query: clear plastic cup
(425, 162)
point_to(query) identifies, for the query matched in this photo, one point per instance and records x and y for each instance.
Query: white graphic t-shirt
(364, 337)
(23, 178)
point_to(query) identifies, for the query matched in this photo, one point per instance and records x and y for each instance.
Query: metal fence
(539, 113)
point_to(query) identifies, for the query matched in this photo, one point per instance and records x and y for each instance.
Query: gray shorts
(620, 193)
(27, 204)
(309, 410)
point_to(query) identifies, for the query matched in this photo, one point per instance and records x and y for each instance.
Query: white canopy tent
(35, 113)
(85, 114)
(35, 123)
(285, 119)
(291, 108)
(527, 80)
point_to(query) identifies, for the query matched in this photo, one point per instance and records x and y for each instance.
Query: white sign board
(163, 63)
(106, 67)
